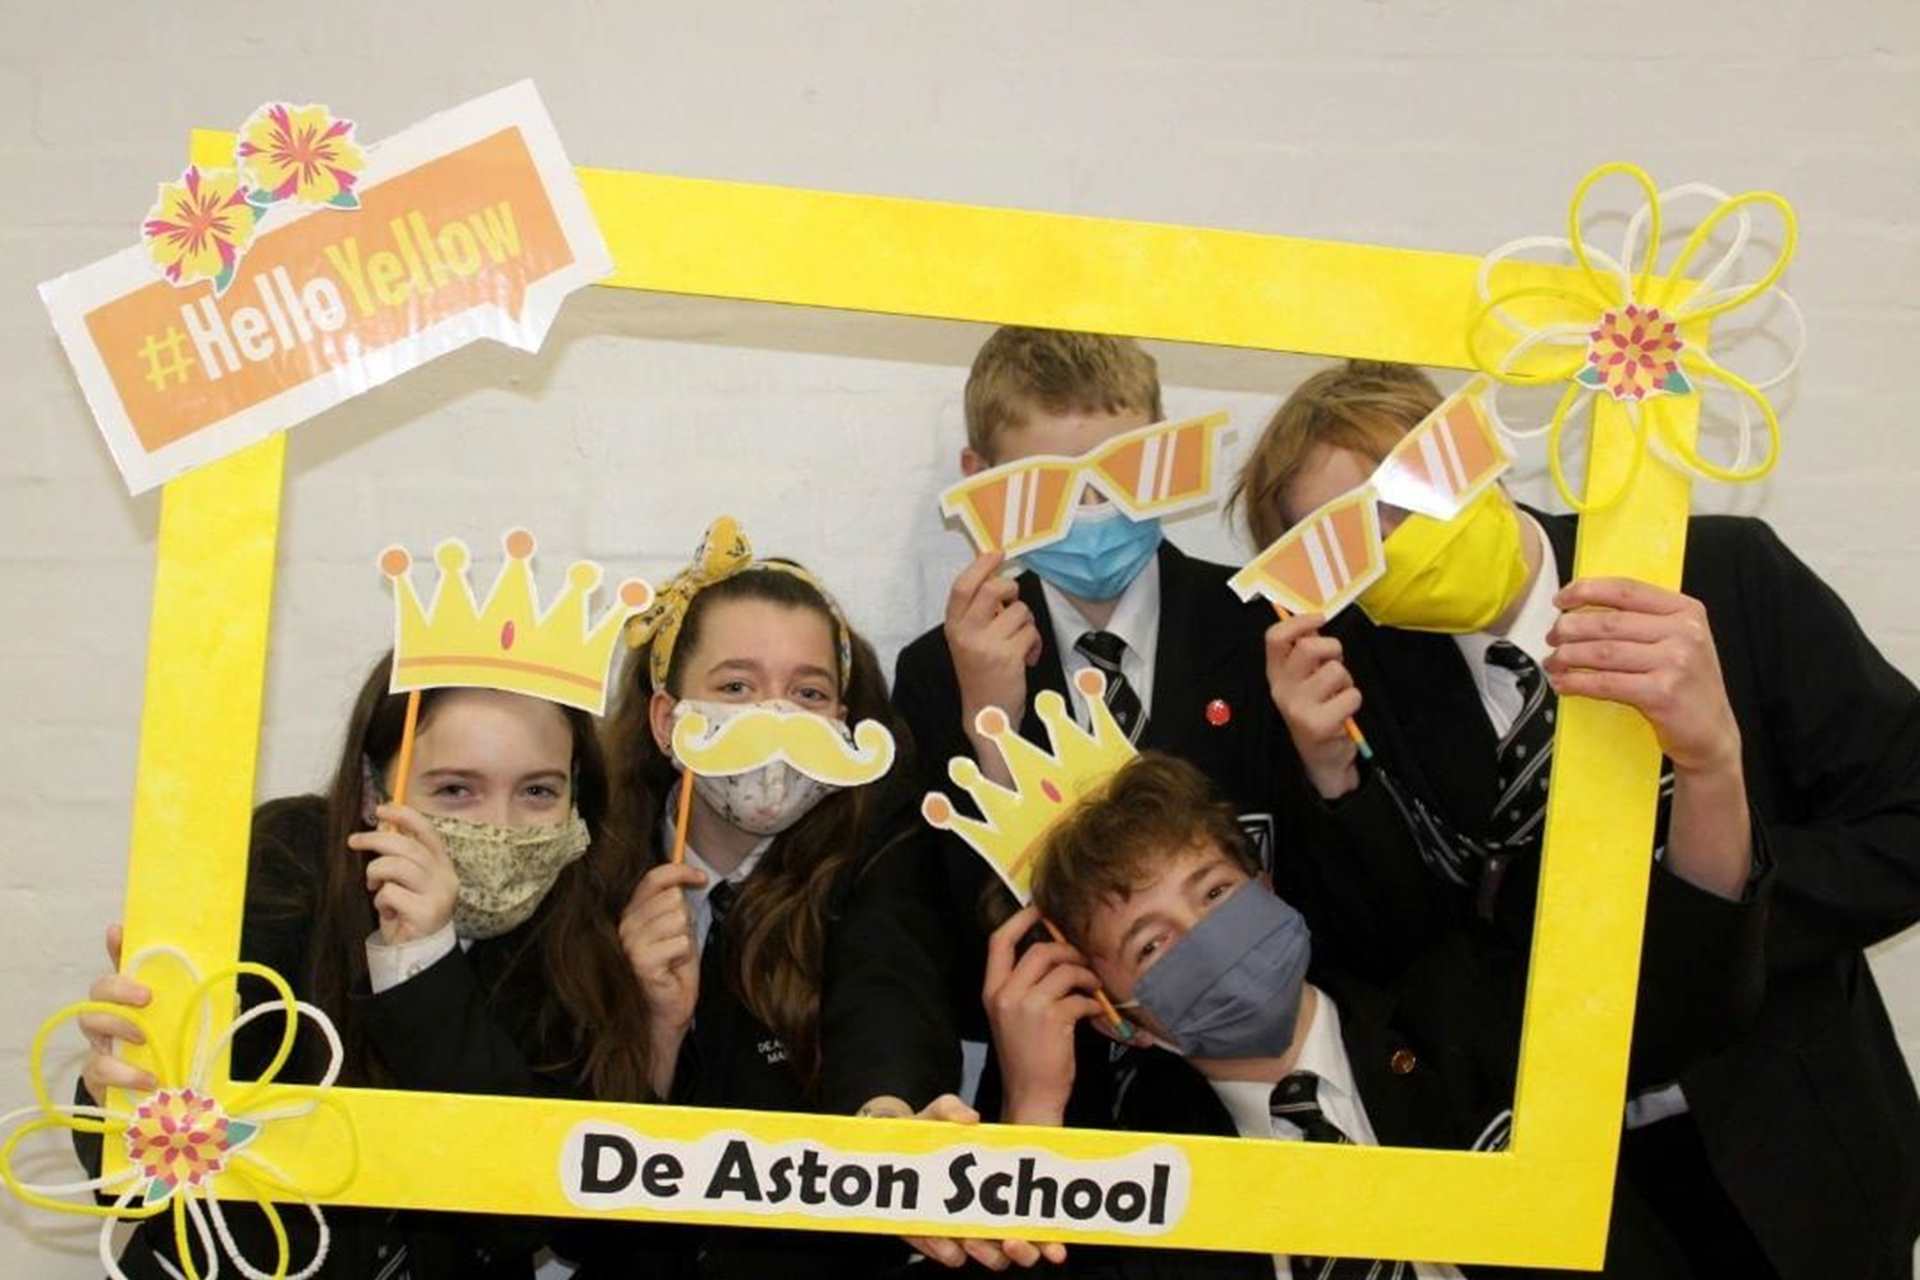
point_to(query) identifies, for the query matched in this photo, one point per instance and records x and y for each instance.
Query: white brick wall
(1437, 123)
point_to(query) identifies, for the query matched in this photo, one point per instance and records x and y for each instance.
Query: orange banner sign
(470, 225)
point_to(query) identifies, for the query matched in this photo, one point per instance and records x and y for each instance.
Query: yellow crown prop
(508, 643)
(1046, 785)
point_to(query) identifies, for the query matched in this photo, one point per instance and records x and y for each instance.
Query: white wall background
(1433, 123)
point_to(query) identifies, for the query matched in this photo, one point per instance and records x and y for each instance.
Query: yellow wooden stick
(680, 818)
(404, 765)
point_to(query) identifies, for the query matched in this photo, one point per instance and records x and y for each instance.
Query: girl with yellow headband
(729, 946)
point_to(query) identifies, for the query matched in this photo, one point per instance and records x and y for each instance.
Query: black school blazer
(466, 1024)
(1434, 1058)
(1810, 1119)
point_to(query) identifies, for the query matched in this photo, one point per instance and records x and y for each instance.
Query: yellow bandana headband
(723, 553)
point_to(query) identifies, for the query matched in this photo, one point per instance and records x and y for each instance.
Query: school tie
(719, 902)
(1104, 649)
(1524, 758)
(1296, 1100)
(1523, 762)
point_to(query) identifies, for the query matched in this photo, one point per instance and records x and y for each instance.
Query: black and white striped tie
(1525, 755)
(1104, 649)
(1296, 1100)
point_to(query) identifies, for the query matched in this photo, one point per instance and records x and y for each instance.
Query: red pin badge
(1218, 712)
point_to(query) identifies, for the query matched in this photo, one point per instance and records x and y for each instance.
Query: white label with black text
(605, 1166)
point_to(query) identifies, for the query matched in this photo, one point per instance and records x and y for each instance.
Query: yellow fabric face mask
(1453, 576)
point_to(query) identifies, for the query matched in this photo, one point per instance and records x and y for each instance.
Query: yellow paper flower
(302, 154)
(199, 227)
(181, 1139)
(1624, 334)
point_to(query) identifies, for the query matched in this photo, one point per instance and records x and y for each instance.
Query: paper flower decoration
(183, 1138)
(302, 154)
(1635, 354)
(1636, 337)
(199, 227)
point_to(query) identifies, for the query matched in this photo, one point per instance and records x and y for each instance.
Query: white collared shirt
(390, 964)
(1500, 688)
(1249, 1103)
(697, 898)
(1136, 620)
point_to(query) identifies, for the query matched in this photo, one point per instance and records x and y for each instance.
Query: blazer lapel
(1050, 673)
(1406, 1102)
(1175, 665)
(1418, 695)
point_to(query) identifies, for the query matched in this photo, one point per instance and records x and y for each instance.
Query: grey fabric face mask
(1231, 988)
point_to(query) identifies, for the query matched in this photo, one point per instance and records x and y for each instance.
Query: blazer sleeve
(1841, 728)
(437, 1033)
(926, 696)
(1702, 970)
(1353, 869)
(886, 1023)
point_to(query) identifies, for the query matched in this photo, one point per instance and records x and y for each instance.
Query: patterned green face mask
(505, 871)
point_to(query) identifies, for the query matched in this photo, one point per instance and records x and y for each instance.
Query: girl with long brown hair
(462, 942)
(731, 945)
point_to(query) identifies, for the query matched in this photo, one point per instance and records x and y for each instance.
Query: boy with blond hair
(1181, 656)
(1788, 740)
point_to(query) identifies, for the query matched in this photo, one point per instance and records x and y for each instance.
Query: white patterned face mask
(505, 872)
(766, 800)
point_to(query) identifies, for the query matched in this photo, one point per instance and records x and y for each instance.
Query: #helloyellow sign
(470, 225)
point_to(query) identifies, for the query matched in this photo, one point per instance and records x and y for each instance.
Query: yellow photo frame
(1544, 1201)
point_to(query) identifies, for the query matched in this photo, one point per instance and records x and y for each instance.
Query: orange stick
(1358, 738)
(1121, 1026)
(680, 818)
(405, 764)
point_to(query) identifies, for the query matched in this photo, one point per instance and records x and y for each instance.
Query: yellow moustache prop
(760, 736)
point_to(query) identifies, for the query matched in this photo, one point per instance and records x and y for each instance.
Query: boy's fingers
(1334, 713)
(1316, 653)
(1042, 957)
(1080, 1008)
(1000, 945)
(989, 602)
(1284, 634)
(1327, 681)
(1020, 1252)
(101, 1028)
(986, 1253)
(940, 1249)
(103, 1072)
(116, 936)
(1606, 655)
(115, 988)
(1610, 624)
(1011, 621)
(1065, 978)
(950, 1108)
(1621, 593)
(1055, 1252)
(967, 585)
(1635, 690)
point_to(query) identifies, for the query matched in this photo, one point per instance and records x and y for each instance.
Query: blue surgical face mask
(1231, 988)
(1103, 552)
